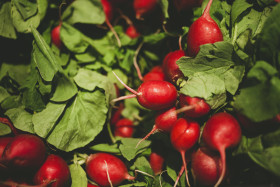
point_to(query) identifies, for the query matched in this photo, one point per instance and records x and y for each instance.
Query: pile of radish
(124, 129)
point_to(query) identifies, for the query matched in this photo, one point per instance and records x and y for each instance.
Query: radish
(156, 161)
(109, 14)
(221, 131)
(206, 166)
(144, 7)
(186, 4)
(55, 35)
(106, 169)
(132, 32)
(156, 73)
(171, 69)
(4, 141)
(116, 114)
(200, 109)
(183, 136)
(124, 128)
(54, 172)
(154, 95)
(24, 152)
(203, 31)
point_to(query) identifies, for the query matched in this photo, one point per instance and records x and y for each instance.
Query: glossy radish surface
(106, 169)
(124, 128)
(183, 136)
(220, 132)
(55, 34)
(25, 151)
(132, 32)
(156, 74)
(171, 69)
(3, 143)
(206, 166)
(54, 171)
(201, 108)
(144, 7)
(156, 161)
(203, 31)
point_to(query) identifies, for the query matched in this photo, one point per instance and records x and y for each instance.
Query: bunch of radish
(26, 155)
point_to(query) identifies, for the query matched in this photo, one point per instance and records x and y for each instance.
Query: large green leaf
(81, 122)
(7, 28)
(78, 176)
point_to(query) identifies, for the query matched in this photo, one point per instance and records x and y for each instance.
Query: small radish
(55, 34)
(186, 4)
(183, 136)
(154, 95)
(156, 161)
(106, 169)
(124, 128)
(156, 73)
(171, 69)
(132, 32)
(116, 114)
(206, 166)
(203, 31)
(220, 132)
(144, 7)
(25, 151)
(54, 172)
(200, 109)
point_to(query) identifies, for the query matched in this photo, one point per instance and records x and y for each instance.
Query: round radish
(206, 166)
(221, 131)
(55, 34)
(144, 7)
(203, 31)
(106, 169)
(25, 151)
(155, 74)
(4, 141)
(171, 69)
(156, 161)
(201, 108)
(186, 4)
(132, 32)
(124, 128)
(154, 95)
(54, 172)
(108, 9)
(183, 136)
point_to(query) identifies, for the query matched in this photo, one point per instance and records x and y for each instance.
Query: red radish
(25, 151)
(154, 95)
(200, 109)
(124, 128)
(4, 141)
(186, 4)
(108, 9)
(171, 69)
(220, 132)
(156, 161)
(144, 7)
(183, 136)
(156, 73)
(106, 169)
(54, 172)
(55, 34)
(132, 32)
(206, 166)
(203, 31)
(116, 114)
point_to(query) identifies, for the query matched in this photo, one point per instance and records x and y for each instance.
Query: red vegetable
(156, 161)
(132, 32)
(144, 7)
(203, 31)
(55, 34)
(124, 128)
(156, 74)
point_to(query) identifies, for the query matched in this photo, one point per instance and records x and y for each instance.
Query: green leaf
(238, 8)
(268, 42)
(3, 94)
(81, 122)
(4, 129)
(45, 120)
(65, 89)
(211, 73)
(43, 57)
(11, 102)
(128, 147)
(142, 164)
(259, 99)
(7, 28)
(84, 11)
(21, 119)
(78, 176)
(18, 72)
(27, 8)
(105, 148)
